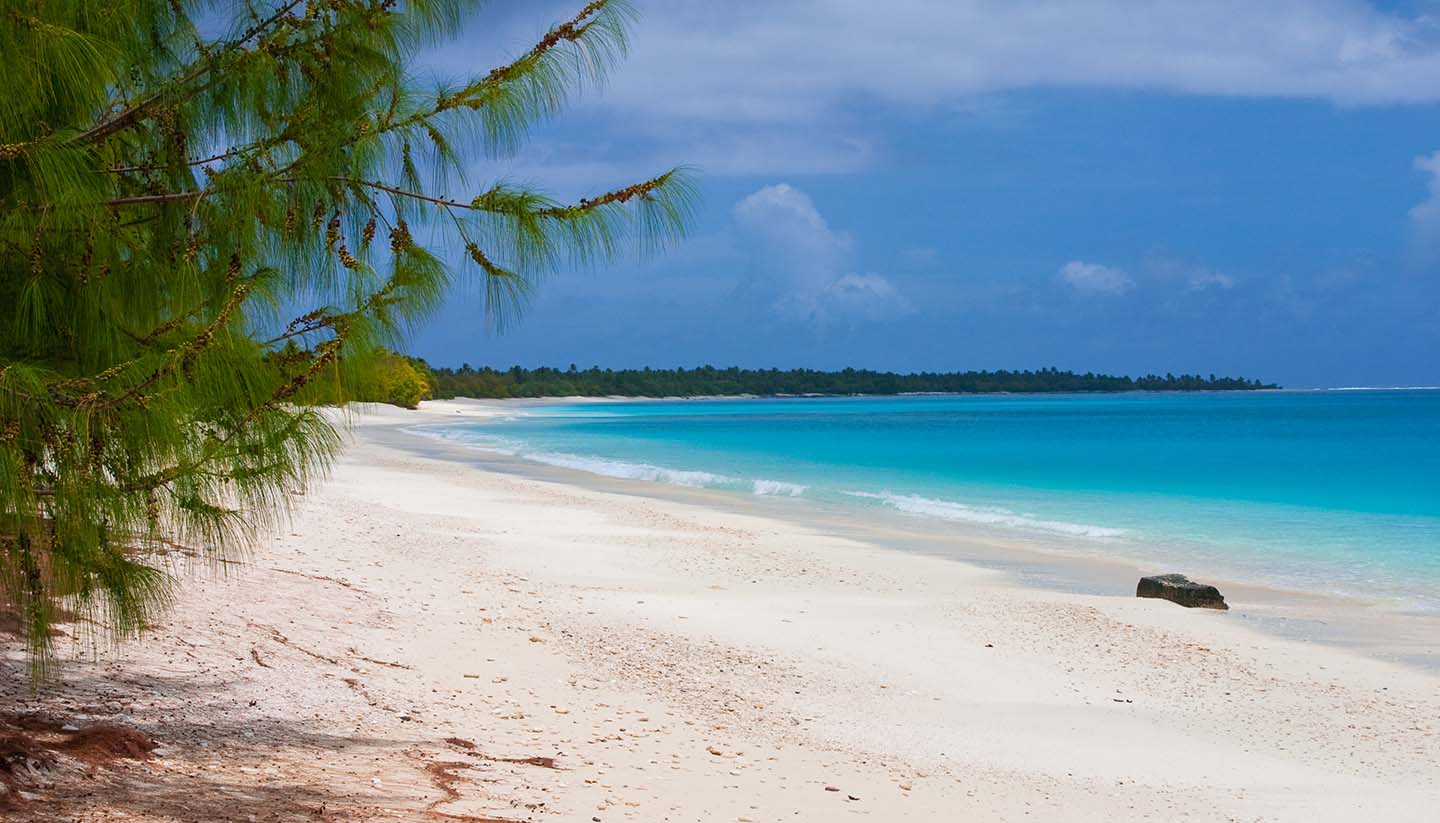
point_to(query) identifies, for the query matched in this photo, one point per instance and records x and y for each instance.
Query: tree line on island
(404, 381)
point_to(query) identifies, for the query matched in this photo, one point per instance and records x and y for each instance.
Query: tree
(179, 205)
(400, 383)
(392, 378)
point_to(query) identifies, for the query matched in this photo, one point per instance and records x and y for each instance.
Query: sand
(432, 641)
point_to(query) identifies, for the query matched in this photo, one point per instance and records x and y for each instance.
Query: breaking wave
(777, 487)
(951, 510)
(630, 471)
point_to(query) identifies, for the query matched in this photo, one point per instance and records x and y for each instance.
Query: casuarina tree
(207, 209)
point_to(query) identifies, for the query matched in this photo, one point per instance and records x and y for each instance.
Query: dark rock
(1177, 588)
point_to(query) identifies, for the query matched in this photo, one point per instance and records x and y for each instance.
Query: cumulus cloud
(1425, 217)
(866, 295)
(1093, 278)
(787, 220)
(1191, 276)
(803, 267)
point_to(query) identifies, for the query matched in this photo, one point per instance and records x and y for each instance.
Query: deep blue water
(1336, 490)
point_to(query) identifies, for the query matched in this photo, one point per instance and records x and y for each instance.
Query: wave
(1382, 388)
(630, 471)
(469, 439)
(608, 467)
(951, 510)
(777, 487)
(695, 479)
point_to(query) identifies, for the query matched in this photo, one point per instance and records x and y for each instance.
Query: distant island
(485, 382)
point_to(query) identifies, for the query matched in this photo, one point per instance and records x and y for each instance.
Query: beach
(432, 640)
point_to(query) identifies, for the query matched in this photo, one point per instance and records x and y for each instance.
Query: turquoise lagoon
(1335, 491)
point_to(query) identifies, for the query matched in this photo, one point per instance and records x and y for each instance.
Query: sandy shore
(429, 641)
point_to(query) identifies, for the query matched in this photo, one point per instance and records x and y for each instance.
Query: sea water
(1334, 491)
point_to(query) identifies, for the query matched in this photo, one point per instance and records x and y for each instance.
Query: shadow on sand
(99, 745)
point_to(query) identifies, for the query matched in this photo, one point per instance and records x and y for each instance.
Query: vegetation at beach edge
(484, 382)
(215, 217)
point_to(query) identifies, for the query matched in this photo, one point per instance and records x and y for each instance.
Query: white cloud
(1093, 278)
(1425, 217)
(1201, 279)
(793, 83)
(795, 231)
(765, 152)
(867, 295)
(1194, 276)
(803, 267)
(791, 60)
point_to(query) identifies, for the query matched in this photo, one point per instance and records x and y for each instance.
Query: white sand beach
(432, 641)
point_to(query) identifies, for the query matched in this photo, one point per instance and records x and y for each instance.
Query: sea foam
(778, 487)
(630, 471)
(467, 438)
(607, 467)
(986, 516)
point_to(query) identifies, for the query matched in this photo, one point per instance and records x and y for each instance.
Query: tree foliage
(384, 377)
(710, 381)
(190, 186)
(397, 380)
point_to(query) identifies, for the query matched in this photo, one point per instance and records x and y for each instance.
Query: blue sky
(1229, 187)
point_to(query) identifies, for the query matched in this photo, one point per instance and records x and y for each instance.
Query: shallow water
(1337, 492)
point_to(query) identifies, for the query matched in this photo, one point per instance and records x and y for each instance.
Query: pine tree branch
(471, 96)
(644, 190)
(167, 197)
(139, 402)
(136, 112)
(153, 166)
(175, 356)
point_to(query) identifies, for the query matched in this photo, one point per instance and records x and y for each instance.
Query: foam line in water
(607, 467)
(778, 487)
(630, 471)
(952, 510)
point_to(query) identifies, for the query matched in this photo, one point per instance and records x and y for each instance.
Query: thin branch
(570, 31)
(440, 201)
(132, 114)
(643, 190)
(153, 166)
(168, 197)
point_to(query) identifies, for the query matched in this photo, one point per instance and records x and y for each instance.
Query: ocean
(1331, 491)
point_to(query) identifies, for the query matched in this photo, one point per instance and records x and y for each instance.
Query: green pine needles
(198, 231)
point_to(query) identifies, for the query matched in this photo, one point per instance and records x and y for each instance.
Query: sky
(1223, 187)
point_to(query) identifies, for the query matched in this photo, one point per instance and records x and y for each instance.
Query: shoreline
(1371, 625)
(432, 641)
(642, 398)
